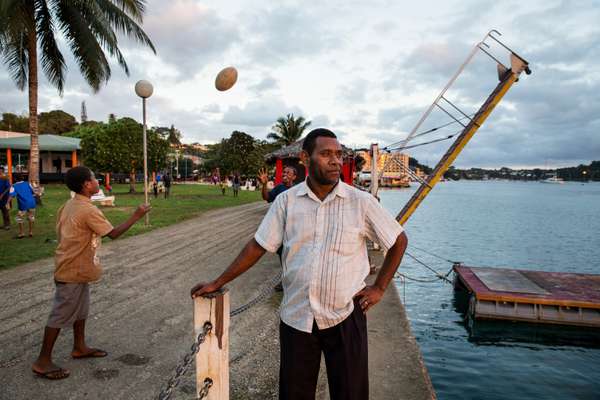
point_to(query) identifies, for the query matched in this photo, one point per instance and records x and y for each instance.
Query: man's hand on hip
(368, 297)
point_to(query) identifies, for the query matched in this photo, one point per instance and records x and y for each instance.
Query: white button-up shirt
(324, 256)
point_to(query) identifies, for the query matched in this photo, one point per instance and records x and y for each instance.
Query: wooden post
(212, 360)
(74, 158)
(9, 164)
(374, 171)
(375, 176)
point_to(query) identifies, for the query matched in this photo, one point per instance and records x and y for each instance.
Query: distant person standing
(26, 204)
(167, 183)
(4, 197)
(236, 185)
(223, 185)
(155, 188)
(287, 181)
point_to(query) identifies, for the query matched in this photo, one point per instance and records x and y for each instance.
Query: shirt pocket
(351, 239)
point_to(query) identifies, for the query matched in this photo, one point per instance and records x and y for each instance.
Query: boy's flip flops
(53, 375)
(94, 353)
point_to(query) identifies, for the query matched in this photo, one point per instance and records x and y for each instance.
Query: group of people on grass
(163, 181)
(319, 227)
(27, 198)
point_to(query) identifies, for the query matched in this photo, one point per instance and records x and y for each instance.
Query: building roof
(294, 149)
(10, 134)
(47, 143)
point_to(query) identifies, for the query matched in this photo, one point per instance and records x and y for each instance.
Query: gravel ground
(141, 314)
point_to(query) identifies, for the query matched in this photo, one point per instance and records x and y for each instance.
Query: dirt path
(142, 314)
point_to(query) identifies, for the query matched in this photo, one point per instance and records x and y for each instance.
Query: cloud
(371, 82)
(265, 84)
(189, 35)
(319, 121)
(284, 33)
(259, 113)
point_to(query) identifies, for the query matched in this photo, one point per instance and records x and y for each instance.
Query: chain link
(204, 391)
(261, 296)
(183, 367)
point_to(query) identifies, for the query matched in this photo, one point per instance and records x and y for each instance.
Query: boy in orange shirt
(80, 227)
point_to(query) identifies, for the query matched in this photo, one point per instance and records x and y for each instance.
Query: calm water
(504, 224)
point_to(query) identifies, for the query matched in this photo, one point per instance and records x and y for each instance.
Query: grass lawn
(186, 201)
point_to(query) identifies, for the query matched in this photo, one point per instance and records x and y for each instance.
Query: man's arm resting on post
(122, 228)
(372, 294)
(249, 256)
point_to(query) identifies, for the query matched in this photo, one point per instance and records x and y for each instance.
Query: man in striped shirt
(323, 225)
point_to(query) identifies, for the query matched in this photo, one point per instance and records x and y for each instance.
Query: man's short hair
(292, 168)
(76, 177)
(310, 141)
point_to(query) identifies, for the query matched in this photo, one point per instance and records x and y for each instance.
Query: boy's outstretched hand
(204, 288)
(137, 214)
(142, 210)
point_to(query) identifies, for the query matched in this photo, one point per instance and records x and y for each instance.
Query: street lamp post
(144, 89)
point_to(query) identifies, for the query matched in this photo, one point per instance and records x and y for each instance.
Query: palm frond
(15, 23)
(53, 62)
(87, 51)
(134, 8)
(123, 23)
(102, 31)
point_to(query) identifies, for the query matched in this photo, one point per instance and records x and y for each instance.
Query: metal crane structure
(470, 123)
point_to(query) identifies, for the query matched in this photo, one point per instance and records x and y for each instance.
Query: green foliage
(14, 123)
(414, 163)
(174, 135)
(239, 153)
(118, 147)
(288, 129)
(56, 122)
(581, 172)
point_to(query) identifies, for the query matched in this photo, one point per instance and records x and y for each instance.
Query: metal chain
(183, 367)
(443, 277)
(433, 254)
(261, 296)
(204, 391)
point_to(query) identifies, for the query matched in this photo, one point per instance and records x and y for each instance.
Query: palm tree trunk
(34, 152)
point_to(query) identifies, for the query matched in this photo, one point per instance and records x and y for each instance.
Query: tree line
(116, 147)
(581, 172)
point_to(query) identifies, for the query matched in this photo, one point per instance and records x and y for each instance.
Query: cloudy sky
(366, 70)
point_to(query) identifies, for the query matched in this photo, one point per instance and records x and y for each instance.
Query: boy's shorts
(71, 303)
(21, 215)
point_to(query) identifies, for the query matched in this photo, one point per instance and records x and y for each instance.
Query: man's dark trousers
(345, 348)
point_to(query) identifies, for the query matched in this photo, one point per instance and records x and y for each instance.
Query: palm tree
(90, 28)
(288, 129)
